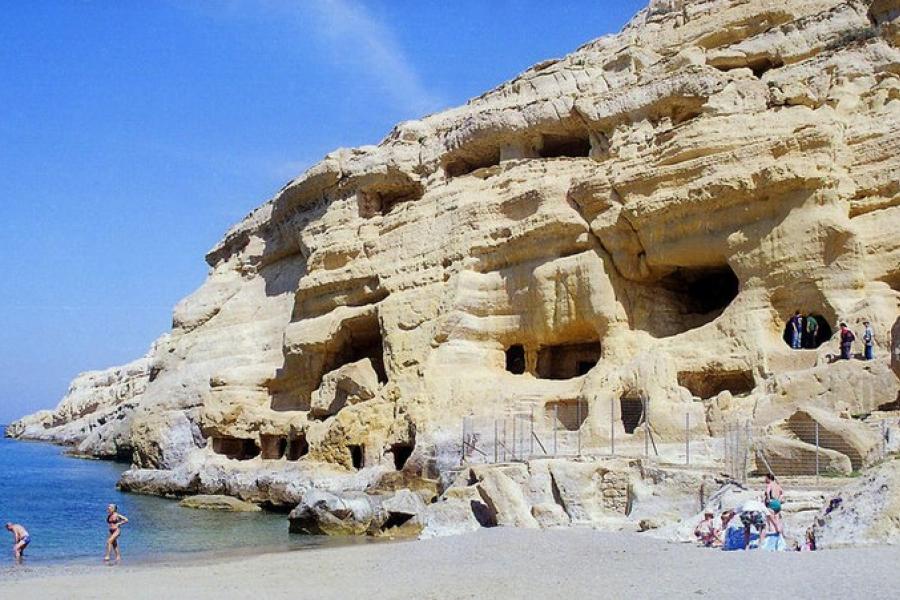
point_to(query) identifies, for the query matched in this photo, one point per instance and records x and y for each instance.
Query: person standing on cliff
(869, 341)
(812, 331)
(795, 328)
(21, 539)
(847, 339)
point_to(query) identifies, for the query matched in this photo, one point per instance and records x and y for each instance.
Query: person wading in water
(115, 521)
(21, 539)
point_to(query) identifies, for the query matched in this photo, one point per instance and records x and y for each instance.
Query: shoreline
(499, 563)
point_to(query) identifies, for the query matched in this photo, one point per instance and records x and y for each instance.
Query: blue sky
(133, 134)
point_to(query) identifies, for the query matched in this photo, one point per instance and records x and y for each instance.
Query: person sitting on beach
(753, 516)
(810, 544)
(115, 521)
(21, 539)
(706, 530)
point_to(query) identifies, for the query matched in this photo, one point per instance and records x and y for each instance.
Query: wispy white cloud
(363, 42)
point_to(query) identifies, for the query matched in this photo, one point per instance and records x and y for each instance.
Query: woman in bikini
(114, 521)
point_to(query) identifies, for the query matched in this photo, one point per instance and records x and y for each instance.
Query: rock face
(868, 512)
(219, 503)
(637, 219)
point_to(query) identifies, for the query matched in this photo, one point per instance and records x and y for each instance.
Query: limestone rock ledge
(636, 219)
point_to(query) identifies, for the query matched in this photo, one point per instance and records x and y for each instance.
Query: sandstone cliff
(640, 217)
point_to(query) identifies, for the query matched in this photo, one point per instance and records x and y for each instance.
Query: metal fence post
(612, 426)
(746, 456)
(555, 421)
(496, 445)
(531, 439)
(646, 428)
(578, 420)
(687, 438)
(817, 454)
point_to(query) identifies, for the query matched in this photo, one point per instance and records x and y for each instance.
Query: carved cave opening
(457, 167)
(298, 447)
(235, 448)
(515, 359)
(703, 291)
(810, 340)
(383, 199)
(710, 383)
(401, 453)
(632, 411)
(357, 455)
(361, 338)
(273, 447)
(572, 146)
(565, 361)
(569, 414)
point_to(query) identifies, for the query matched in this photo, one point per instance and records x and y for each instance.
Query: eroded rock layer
(637, 219)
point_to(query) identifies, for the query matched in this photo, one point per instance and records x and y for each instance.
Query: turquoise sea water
(62, 502)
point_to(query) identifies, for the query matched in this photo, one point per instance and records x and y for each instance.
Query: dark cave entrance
(810, 340)
(273, 446)
(298, 447)
(566, 361)
(571, 146)
(357, 455)
(235, 448)
(632, 409)
(515, 359)
(703, 291)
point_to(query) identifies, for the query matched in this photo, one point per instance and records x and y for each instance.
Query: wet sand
(496, 563)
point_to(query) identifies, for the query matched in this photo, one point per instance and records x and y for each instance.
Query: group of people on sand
(757, 524)
(114, 522)
(803, 331)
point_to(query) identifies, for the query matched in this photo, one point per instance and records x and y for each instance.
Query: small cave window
(566, 361)
(814, 328)
(273, 446)
(708, 383)
(383, 199)
(401, 453)
(357, 455)
(515, 359)
(570, 414)
(457, 167)
(235, 448)
(632, 409)
(297, 447)
(572, 146)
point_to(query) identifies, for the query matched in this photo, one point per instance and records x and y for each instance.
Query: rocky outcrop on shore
(638, 219)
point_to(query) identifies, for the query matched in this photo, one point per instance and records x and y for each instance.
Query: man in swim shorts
(21, 539)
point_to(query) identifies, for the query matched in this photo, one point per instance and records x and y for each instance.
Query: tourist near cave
(604, 295)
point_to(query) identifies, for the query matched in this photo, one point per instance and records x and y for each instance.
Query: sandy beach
(497, 563)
